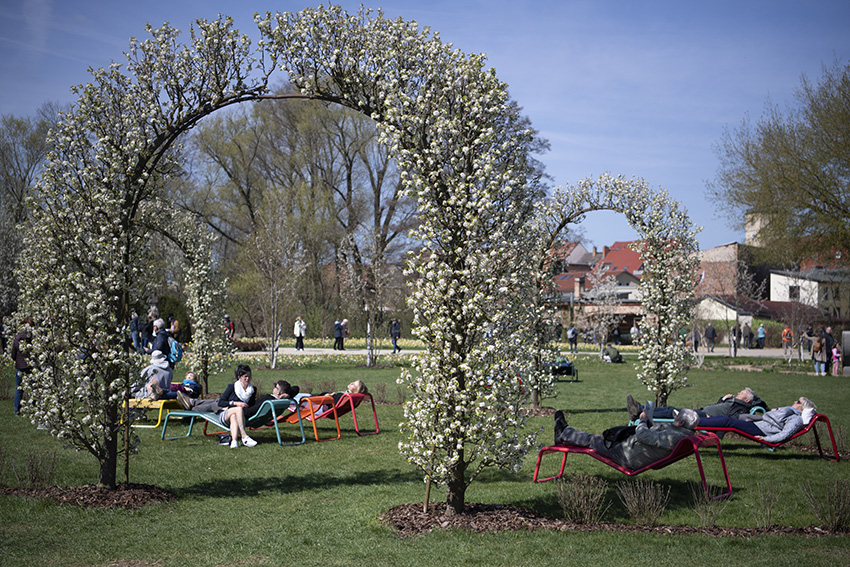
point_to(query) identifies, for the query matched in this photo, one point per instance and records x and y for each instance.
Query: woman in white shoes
(237, 396)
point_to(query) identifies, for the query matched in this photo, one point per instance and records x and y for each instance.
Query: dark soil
(130, 496)
(410, 520)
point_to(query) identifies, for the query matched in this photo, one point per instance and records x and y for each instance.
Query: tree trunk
(205, 374)
(535, 399)
(109, 457)
(456, 488)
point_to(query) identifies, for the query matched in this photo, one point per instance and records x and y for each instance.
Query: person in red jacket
(787, 340)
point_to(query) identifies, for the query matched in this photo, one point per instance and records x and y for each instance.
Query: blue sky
(644, 89)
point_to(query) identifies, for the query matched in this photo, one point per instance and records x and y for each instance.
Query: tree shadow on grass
(289, 484)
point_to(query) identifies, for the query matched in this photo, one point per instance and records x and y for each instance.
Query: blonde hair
(807, 403)
(360, 387)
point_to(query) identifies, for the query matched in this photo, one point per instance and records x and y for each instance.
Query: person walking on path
(572, 337)
(819, 356)
(395, 334)
(829, 342)
(762, 335)
(787, 340)
(299, 330)
(710, 337)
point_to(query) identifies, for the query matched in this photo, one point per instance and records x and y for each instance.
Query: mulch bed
(129, 496)
(410, 520)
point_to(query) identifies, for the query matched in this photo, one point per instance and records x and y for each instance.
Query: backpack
(816, 346)
(616, 435)
(175, 351)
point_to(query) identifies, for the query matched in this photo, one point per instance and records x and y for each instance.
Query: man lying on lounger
(648, 444)
(773, 427)
(728, 406)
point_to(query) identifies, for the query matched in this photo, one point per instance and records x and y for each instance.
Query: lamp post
(369, 352)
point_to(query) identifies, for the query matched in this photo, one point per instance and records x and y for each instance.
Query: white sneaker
(234, 444)
(248, 442)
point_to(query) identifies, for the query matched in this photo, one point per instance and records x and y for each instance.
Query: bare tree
(601, 304)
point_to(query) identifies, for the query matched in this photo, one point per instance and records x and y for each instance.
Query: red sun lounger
(688, 446)
(348, 403)
(810, 427)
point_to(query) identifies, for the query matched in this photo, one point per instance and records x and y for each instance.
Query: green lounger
(269, 412)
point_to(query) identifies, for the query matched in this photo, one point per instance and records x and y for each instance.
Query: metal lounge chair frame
(348, 403)
(161, 406)
(311, 409)
(818, 417)
(686, 447)
(270, 411)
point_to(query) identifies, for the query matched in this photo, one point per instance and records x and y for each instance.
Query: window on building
(793, 293)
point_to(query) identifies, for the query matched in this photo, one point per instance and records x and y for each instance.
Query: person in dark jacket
(649, 443)
(146, 334)
(829, 342)
(159, 341)
(20, 354)
(395, 334)
(728, 406)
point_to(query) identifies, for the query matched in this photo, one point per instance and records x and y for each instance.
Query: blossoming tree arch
(459, 142)
(463, 152)
(669, 250)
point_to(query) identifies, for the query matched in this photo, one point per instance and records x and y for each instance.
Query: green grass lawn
(318, 503)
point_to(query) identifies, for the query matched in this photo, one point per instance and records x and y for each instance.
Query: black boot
(560, 424)
(633, 408)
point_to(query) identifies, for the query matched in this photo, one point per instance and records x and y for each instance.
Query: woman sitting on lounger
(237, 396)
(773, 427)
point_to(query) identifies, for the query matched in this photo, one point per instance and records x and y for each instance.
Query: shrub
(581, 497)
(766, 497)
(39, 469)
(833, 508)
(708, 508)
(644, 500)
(380, 392)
